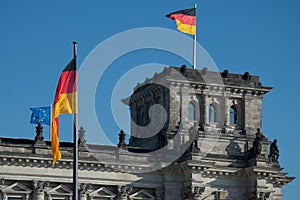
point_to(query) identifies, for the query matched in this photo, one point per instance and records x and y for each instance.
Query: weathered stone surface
(212, 159)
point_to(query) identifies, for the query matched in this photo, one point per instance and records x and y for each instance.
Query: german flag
(185, 20)
(65, 102)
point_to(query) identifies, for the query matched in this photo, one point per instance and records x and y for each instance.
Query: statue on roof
(257, 144)
(274, 151)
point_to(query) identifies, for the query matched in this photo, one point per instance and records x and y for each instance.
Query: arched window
(191, 112)
(212, 113)
(233, 115)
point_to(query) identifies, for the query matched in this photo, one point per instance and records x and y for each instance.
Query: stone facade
(194, 135)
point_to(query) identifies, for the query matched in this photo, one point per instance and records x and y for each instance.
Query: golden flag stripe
(186, 28)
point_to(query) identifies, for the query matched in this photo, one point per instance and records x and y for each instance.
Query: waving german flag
(65, 102)
(185, 20)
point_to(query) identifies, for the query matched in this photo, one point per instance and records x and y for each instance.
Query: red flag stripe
(185, 19)
(66, 84)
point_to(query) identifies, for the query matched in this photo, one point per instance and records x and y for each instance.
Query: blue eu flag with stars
(40, 115)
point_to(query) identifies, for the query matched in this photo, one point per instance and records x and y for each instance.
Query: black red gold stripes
(65, 102)
(185, 20)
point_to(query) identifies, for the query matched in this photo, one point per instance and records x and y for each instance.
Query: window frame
(191, 112)
(233, 116)
(212, 111)
(16, 197)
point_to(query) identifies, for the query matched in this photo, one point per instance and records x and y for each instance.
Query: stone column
(206, 112)
(227, 115)
(249, 109)
(184, 102)
(180, 106)
(38, 190)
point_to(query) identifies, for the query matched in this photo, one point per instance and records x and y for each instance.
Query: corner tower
(214, 120)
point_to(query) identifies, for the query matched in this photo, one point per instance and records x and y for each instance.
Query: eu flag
(40, 115)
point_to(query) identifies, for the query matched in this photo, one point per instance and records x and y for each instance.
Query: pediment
(142, 194)
(102, 192)
(60, 190)
(16, 188)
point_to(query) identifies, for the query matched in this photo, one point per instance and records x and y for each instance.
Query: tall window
(191, 112)
(233, 115)
(212, 113)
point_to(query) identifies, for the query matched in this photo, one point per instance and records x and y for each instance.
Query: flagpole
(75, 137)
(195, 43)
(50, 126)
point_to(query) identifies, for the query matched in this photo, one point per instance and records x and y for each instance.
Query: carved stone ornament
(259, 196)
(263, 195)
(122, 144)
(123, 192)
(82, 140)
(194, 192)
(39, 138)
(83, 188)
(39, 186)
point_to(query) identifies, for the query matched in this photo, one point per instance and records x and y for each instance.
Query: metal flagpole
(195, 43)
(50, 126)
(75, 137)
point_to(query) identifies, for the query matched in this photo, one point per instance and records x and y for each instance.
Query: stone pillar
(227, 112)
(252, 112)
(38, 190)
(133, 121)
(206, 111)
(180, 106)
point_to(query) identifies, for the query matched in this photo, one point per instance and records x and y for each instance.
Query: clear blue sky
(261, 37)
